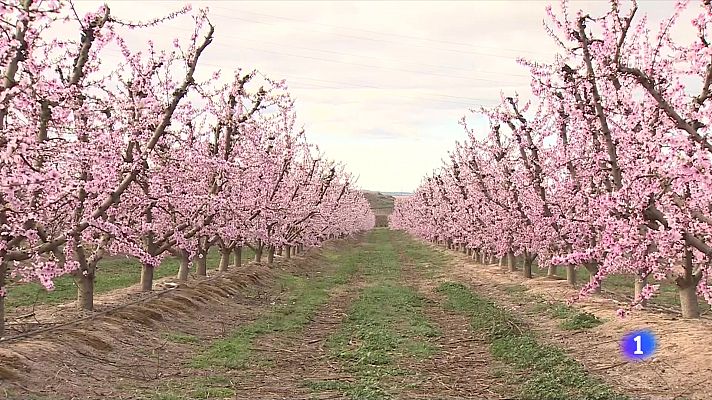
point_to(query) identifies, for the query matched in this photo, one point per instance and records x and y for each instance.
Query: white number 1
(638, 350)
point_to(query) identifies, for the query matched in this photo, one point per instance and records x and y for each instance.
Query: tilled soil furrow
(283, 363)
(460, 369)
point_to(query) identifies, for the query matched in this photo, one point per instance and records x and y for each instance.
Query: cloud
(379, 85)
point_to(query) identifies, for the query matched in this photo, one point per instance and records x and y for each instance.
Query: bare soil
(680, 369)
(122, 352)
(462, 366)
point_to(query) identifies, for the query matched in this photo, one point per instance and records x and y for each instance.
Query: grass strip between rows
(385, 323)
(544, 372)
(306, 296)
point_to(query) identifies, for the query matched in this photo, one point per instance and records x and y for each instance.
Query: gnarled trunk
(146, 278)
(688, 302)
(638, 288)
(224, 258)
(687, 289)
(238, 257)
(85, 290)
(527, 270)
(571, 274)
(592, 269)
(258, 252)
(551, 272)
(3, 273)
(184, 268)
(270, 255)
(202, 264)
(511, 263)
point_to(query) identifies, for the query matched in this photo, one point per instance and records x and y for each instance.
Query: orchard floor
(380, 316)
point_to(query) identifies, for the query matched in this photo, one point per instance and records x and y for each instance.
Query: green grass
(542, 372)
(623, 285)
(306, 295)
(206, 387)
(571, 318)
(385, 323)
(113, 273)
(428, 260)
(180, 337)
(514, 289)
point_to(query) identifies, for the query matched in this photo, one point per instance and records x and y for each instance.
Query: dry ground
(680, 369)
(363, 318)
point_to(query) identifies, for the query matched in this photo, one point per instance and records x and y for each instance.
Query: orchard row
(150, 156)
(607, 168)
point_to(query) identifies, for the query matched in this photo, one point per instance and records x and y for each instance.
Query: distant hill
(397, 194)
(381, 204)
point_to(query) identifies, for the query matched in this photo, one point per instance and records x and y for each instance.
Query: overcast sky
(378, 85)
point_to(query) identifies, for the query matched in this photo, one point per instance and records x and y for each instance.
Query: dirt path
(284, 362)
(461, 368)
(309, 364)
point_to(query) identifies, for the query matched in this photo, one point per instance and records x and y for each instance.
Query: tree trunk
(571, 274)
(146, 278)
(499, 262)
(184, 268)
(224, 259)
(551, 272)
(270, 255)
(3, 272)
(687, 288)
(689, 302)
(469, 251)
(279, 250)
(288, 251)
(593, 270)
(528, 260)
(202, 262)
(2, 316)
(639, 285)
(85, 290)
(511, 262)
(258, 252)
(238, 257)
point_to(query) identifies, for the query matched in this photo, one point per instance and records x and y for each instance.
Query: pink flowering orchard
(142, 158)
(606, 168)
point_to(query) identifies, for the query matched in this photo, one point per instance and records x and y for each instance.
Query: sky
(380, 85)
